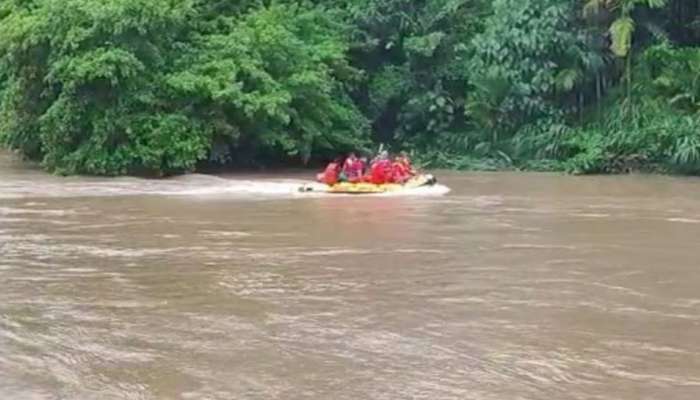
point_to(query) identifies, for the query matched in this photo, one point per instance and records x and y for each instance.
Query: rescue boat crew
(402, 171)
(331, 175)
(380, 171)
(353, 169)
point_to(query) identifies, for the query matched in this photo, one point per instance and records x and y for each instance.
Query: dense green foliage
(161, 86)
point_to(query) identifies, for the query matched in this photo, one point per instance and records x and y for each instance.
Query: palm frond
(621, 33)
(592, 7)
(655, 3)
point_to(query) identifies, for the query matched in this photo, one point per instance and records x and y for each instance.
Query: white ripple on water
(76, 270)
(228, 234)
(261, 283)
(387, 343)
(36, 279)
(684, 220)
(31, 237)
(654, 379)
(288, 255)
(590, 215)
(461, 300)
(30, 211)
(6, 267)
(643, 347)
(54, 250)
(637, 311)
(620, 289)
(5, 220)
(112, 225)
(332, 252)
(419, 251)
(687, 303)
(35, 204)
(435, 190)
(295, 255)
(565, 261)
(532, 246)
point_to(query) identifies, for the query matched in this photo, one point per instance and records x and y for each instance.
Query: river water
(510, 286)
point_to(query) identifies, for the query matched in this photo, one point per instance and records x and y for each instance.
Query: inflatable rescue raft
(369, 188)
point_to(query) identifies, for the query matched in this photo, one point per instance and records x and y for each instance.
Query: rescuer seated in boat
(353, 169)
(401, 169)
(407, 163)
(331, 175)
(365, 167)
(380, 171)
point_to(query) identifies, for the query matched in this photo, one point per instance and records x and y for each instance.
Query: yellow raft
(369, 188)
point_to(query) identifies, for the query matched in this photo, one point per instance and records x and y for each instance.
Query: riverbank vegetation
(115, 87)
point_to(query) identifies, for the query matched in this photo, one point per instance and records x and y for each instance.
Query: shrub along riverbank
(114, 87)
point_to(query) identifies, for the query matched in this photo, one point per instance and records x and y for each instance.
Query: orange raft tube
(369, 188)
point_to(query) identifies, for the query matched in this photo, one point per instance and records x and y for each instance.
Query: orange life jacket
(400, 172)
(353, 169)
(330, 175)
(381, 172)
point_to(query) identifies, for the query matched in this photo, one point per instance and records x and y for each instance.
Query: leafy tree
(124, 86)
(159, 86)
(276, 79)
(84, 82)
(623, 26)
(527, 57)
(415, 56)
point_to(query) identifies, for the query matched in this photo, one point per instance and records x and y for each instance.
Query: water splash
(196, 185)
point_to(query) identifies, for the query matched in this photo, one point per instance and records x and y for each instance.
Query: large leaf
(424, 45)
(621, 33)
(567, 79)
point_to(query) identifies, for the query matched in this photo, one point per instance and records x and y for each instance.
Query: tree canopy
(115, 87)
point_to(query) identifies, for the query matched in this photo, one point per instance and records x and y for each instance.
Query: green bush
(114, 87)
(124, 86)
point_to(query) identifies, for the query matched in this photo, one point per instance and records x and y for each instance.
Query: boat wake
(195, 185)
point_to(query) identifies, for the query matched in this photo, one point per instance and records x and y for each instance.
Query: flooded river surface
(510, 286)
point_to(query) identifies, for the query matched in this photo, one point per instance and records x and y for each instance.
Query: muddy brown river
(510, 286)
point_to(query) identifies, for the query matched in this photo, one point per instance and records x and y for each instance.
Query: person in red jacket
(380, 172)
(402, 170)
(353, 168)
(399, 173)
(331, 175)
